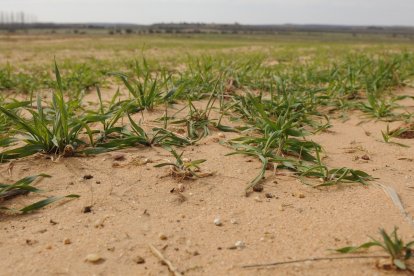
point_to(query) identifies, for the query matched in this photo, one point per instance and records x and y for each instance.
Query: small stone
(257, 199)
(31, 242)
(217, 222)
(221, 135)
(87, 176)
(301, 195)
(269, 195)
(181, 187)
(68, 151)
(98, 182)
(258, 188)
(186, 160)
(281, 208)
(142, 161)
(365, 157)
(67, 241)
(239, 244)
(119, 157)
(139, 260)
(93, 258)
(234, 221)
(87, 209)
(48, 247)
(162, 237)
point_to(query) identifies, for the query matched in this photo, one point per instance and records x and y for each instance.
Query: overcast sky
(349, 12)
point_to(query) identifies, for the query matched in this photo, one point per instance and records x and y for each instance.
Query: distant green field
(26, 60)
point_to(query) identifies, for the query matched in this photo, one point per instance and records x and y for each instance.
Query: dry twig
(159, 255)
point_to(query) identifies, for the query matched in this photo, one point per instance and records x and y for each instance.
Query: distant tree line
(16, 18)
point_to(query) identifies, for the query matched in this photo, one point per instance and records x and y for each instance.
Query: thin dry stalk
(159, 255)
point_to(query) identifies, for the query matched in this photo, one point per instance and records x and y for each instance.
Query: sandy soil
(133, 206)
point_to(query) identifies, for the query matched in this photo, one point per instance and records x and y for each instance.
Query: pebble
(258, 188)
(143, 161)
(269, 195)
(365, 157)
(239, 244)
(67, 241)
(221, 135)
(119, 157)
(281, 208)
(139, 260)
(301, 195)
(234, 221)
(93, 258)
(31, 242)
(162, 237)
(87, 176)
(217, 222)
(181, 187)
(257, 199)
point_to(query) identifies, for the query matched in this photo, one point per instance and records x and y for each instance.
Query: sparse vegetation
(23, 187)
(400, 253)
(183, 168)
(109, 112)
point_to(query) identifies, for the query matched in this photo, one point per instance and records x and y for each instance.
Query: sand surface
(133, 205)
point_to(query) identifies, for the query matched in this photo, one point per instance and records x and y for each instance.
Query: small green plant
(135, 136)
(331, 177)
(148, 88)
(399, 252)
(387, 135)
(108, 117)
(197, 121)
(183, 168)
(5, 122)
(50, 130)
(378, 107)
(23, 187)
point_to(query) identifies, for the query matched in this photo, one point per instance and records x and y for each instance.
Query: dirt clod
(258, 188)
(365, 157)
(139, 260)
(87, 209)
(87, 176)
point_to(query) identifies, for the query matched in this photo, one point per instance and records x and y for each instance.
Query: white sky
(347, 12)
